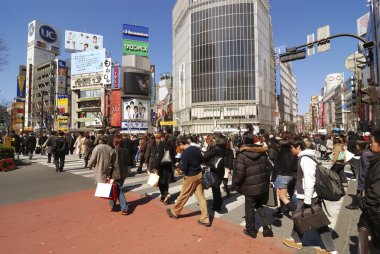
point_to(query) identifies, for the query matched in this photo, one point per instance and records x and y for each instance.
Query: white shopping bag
(348, 155)
(153, 179)
(103, 190)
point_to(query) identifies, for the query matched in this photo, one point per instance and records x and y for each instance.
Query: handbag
(153, 179)
(272, 199)
(348, 155)
(214, 162)
(166, 157)
(310, 218)
(210, 179)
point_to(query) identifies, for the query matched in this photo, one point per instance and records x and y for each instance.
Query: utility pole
(42, 110)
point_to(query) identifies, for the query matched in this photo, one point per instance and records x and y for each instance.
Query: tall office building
(43, 46)
(223, 65)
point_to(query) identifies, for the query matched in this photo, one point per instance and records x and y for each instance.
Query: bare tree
(5, 115)
(3, 54)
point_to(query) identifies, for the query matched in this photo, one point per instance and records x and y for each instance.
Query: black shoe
(267, 231)
(352, 207)
(250, 234)
(278, 213)
(216, 209)
(139, 171)
(206, 224)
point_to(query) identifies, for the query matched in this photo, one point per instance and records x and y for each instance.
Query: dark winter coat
(118, 168)
(31, 143)
(372, 183)
(251, 175)
(216, 151)
(165, 170)
(229, 158)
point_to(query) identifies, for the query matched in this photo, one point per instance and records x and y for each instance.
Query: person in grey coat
(100, 160)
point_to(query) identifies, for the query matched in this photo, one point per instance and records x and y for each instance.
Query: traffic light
(370, 95)
(292, 55)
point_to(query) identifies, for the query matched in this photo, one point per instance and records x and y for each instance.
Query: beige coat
(100, 160)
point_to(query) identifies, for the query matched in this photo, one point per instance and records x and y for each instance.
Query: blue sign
(61, 64)
(135, 33)
(48, 34)
(21, 86)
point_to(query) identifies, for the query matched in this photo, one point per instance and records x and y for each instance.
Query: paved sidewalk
(80, 223)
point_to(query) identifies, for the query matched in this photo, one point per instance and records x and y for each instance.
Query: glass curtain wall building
(223, 66)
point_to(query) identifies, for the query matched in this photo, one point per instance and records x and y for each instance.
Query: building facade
(223, 65)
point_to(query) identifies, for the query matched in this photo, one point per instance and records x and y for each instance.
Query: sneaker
(352, 207)
(124, 212)
(206, 224)
(322, 251)
(267, 231)
(250, 234)
(171, 215)
(292, 244)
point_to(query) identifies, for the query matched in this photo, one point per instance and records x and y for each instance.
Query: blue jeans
(121, 197)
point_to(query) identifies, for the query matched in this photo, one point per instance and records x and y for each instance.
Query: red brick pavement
(81, 223)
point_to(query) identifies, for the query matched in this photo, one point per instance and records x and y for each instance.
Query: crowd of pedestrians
(255, 164)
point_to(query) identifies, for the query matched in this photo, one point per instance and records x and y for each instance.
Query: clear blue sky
(292, 20)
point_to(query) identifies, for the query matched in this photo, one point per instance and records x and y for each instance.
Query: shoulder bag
(166, 157)
(214, 162)
(311, 218)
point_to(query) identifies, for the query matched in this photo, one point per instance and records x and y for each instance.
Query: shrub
(6, 152)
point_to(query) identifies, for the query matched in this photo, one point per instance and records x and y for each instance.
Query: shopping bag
(272, 199)
(103, 190)
(153, 179)
(348, 155)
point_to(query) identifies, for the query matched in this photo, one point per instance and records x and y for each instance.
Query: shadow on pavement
(132, 205)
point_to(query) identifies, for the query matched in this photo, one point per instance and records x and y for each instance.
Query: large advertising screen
(41, 35)
(135, 109)
(136, 83)
(87, 62)
(138, 48)
(78, 41)
(135, 33)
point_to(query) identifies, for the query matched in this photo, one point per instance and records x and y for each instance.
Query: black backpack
(61, 145)
(328, 185)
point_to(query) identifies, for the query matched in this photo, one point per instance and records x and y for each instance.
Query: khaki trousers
(192, 184)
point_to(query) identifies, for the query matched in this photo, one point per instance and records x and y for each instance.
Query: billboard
(136, 83)
(135, 33)
(63, 104)
(135, 127)
(182, 87)
(78, 41)
(362, 24)
(41, 35)
(87, 62)
(115, 108)
(138, 48)
(18, 113)
(21, 86)
(135, 109)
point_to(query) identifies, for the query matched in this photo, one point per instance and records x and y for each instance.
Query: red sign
(115, 108)
(116, 77)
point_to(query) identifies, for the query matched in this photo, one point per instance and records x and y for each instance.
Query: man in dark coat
(60, 150)
(31, 143)
(351, 147)
(16, 142)
(251, 178)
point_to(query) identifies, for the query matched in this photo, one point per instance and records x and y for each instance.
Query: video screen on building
(136, 83)
(135, 109)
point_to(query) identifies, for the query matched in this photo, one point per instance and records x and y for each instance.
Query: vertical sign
(152, 87)
(323, 33)
(115, 108)
(116, 77)
(21, 88)
(107, 65)
(182, 86)
(310, 46)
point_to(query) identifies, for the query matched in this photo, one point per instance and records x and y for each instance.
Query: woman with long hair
(165, 151)
(217, 150)
(229, 164)
(338, 159)
(118, 171)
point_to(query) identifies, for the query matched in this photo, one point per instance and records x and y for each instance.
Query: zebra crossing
(233, 206)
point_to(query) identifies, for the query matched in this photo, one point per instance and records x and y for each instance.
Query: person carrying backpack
(60, 150)
(307, 196)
